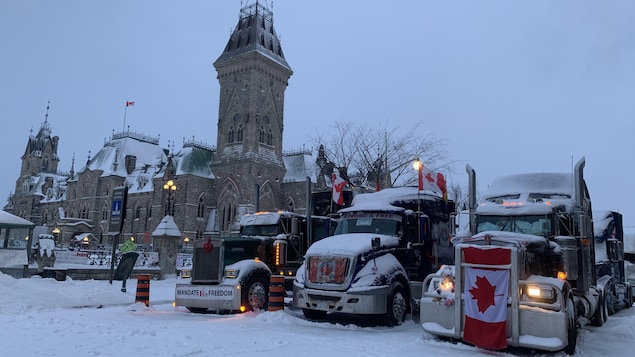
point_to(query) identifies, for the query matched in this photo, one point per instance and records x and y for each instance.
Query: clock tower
(253, 76)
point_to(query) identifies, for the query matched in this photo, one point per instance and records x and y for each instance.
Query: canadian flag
(338, 186)
(129, 104)
(486, 297)
(435, 181)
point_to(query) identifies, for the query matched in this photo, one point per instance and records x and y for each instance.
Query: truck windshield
(380, 223)
(531, 224)
(260, 230)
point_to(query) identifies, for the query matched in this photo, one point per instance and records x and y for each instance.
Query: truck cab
(232, 274)
(374, 264)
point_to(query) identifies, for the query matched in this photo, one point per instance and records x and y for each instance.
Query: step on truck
(232, 274)
(526, 273)
(385, 244)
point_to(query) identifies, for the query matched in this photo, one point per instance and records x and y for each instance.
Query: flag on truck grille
(486, 297)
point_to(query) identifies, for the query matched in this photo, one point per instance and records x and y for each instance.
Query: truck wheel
(610, 300)
(314, 314)
(572, 328)
(197, 310)
(599, 316)
(255, 294)
(397, 305)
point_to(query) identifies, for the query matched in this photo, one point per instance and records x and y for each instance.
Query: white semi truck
(385, 244)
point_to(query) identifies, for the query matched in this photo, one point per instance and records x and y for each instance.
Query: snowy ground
(45, 317)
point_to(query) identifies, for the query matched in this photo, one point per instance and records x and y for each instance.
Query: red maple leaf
(326, 269)
(484, 293)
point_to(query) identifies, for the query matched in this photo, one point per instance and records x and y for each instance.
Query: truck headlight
(231, 273)
(539, 292)
(445, 286)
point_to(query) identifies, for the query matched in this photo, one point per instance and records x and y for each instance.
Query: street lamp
(56, 233)
(170, 187)
(418, 165)
(186, 241)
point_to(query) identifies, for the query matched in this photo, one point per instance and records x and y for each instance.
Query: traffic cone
(276, 293)
(143, 289)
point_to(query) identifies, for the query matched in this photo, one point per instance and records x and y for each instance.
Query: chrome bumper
(370, 300)
(538, 328)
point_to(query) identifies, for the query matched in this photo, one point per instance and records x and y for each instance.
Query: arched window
(239, 136)
(104, 213)
(230, 135)
(261, 135)
(200, 212)
(137, 211)
(270, 138)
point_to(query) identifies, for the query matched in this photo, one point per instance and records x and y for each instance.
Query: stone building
(246, 171)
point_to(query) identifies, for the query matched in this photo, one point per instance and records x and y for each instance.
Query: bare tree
(366, 154)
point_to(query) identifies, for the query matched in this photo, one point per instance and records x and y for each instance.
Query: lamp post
(169, 187)
(418, 165)
(56, 233)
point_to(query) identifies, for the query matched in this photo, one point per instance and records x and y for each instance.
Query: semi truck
(526, 273)
(385, 244)
(233, 274)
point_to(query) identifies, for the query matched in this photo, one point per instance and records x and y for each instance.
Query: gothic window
(290, 204)
(227, 203)
(230, 135)
(106, 190)
(200, 212)
(239, 134)
(45, 164)
(261, 135)
(199, 234)
(270, 138)
(104, 213)
(45, 217)
(265, 119)
(137, 211)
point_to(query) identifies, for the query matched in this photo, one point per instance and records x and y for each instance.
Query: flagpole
(125, 111)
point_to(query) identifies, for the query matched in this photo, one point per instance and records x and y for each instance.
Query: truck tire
(572, 327)
(197, 310)
(600, 314)
(255, 293)
(315, 315)
(397, 305)
(610, 300)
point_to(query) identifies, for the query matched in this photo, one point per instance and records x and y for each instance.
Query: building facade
(210, 187)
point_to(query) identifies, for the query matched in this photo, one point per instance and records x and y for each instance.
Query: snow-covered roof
(260, 219)
(382, 200)
(145, 149)
(167, 227)
(532, 193)
(8, 219)
(299, 165)
(195, 159)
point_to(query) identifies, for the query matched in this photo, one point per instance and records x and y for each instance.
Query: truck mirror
(375, 243)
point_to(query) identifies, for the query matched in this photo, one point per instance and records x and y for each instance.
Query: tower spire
(46, 116)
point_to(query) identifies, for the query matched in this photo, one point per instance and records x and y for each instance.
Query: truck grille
(328, 270)
(207, 265)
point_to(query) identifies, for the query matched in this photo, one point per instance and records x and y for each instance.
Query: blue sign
(117, 213)
(116, 208)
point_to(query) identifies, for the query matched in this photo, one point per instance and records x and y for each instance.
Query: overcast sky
(513, 86)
